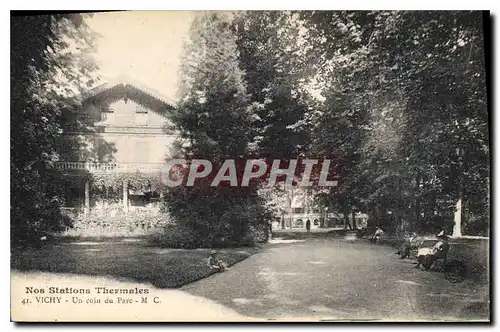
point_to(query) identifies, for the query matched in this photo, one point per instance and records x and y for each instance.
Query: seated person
(439, 251)
(215, 263)
(404, 251)
(378, 234)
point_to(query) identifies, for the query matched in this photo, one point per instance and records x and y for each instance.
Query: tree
(271, 49)
(396, 99)
(415, 82)
(214, 116)
(340, 51)
(42, 66)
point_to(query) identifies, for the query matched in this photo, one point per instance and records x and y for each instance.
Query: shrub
(108, 219)
(174, 236)
(259, 233)
(218, 217)
(477, 225)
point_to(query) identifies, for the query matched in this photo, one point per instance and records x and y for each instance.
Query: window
(141, 118)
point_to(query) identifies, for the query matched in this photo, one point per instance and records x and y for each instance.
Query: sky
(143, 45)
(146, 47)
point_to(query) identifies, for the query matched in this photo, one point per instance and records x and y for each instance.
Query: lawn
(298, 233)
(474, 253)
(127, 259)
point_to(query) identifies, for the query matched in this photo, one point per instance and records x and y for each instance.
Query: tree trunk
(290, 201)
(457, 228)
(425, 183)
(373, 218)
(417, 203)
(398, 222)
(87, 197)
(346, 219)
(353, 213)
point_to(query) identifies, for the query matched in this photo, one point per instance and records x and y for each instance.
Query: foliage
(405, 102)
(108, 219)
(396, 99)
(215, 117)
(214, 113)
(259, 233)
(220, 217)
(136, 180)
(272, 55)
(40, 49)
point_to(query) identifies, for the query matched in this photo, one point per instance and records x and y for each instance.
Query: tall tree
(49, 64)
(214, 116)
(340, 52)
(272, 52)
(420, 102)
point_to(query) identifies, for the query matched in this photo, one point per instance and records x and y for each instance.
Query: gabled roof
(116, 89)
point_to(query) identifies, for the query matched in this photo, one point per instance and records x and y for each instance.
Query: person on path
(308, 225)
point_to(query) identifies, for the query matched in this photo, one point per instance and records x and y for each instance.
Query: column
(125, 196)
(87, 197)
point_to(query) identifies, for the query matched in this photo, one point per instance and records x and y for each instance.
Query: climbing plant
(137, 181)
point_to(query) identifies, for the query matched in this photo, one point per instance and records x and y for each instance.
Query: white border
(202, 5)
(254, 5)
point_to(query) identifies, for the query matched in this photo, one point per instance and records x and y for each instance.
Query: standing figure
(308, 225)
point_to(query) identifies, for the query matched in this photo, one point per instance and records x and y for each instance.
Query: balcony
(109, 167)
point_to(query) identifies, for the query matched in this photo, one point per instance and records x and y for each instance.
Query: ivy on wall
(137, 181)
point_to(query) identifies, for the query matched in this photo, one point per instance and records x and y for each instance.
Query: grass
(294, 234)
(127, 259)
(473, 252)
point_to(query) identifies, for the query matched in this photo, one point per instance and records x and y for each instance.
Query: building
(115, 146)
(300, 205)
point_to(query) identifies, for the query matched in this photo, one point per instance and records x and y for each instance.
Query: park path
(336, 279)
